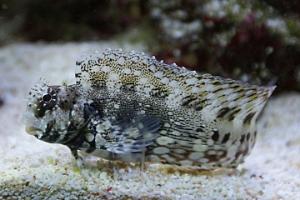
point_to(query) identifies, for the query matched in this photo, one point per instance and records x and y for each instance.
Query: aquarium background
(255, 41)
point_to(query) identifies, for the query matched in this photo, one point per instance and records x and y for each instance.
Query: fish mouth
(33, 131)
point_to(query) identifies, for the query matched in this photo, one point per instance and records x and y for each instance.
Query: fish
(130, 107)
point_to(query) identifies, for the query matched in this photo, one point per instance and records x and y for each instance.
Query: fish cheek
(50, 135)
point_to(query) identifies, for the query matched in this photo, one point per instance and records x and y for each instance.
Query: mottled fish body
(128, 106)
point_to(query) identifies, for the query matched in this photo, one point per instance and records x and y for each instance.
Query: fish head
(53, 114)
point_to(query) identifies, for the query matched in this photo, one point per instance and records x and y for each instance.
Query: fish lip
(33, 131)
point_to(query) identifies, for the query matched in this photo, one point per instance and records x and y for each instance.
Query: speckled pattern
(34, 169)
(128, 106)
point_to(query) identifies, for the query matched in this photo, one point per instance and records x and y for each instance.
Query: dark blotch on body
(216, 156)
(232, 114)
(248, 136)
(215, 135)
(242, 139)
(248, 118)
(226, 138)
(1, 101)
(198, 107)
(199, 130)
(222, 112)
(188, 100)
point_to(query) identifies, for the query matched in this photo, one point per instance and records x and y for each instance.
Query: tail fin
(263, 95)
(246, 107)
(230, 100)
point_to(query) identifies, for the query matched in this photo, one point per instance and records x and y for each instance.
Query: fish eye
(47, 97)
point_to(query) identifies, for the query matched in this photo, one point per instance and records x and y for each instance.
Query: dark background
(256, 41)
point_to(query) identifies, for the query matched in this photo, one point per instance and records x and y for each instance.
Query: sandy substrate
(37, 170)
